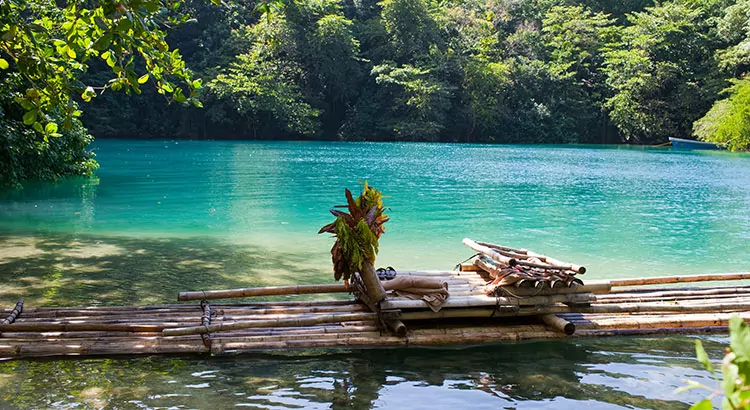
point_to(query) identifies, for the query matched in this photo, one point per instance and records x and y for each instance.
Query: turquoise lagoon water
(165, 216)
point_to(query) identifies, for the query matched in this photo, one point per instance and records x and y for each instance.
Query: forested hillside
(507, 71)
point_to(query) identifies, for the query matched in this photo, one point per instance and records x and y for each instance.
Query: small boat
(680, 143)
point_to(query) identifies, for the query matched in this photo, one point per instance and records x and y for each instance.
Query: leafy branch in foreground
(735, 369)
(50, 47)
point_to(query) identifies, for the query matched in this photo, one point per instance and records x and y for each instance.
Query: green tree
(575, 38)
(661, 72)
(411, 28)
(728, 121)
(24, 155)
(263, 84)
(50, 48)
(45, 49)
(420, 101)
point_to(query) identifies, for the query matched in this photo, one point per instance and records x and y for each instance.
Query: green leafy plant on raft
(735, 368)
(357, 233)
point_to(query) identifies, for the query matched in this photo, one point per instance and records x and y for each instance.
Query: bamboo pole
(660, 280)
(687, 299)
(677, 293)
(559, 324)
(75, 327)
(483, 300)
(652, 331)
(281, 338)
(13, 314)
(270, 323)
(99, 349)
(522, 254)
(692, 320)
(489, 252)
(626, 308)
(495, 270)
(265, 291)
(398, 327)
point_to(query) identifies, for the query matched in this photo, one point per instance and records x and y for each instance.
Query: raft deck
(469, 316)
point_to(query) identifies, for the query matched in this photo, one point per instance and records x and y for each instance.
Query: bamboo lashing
(13, 314)
(206, 322)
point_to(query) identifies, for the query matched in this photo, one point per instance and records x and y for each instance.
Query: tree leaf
(4, 64)
(702, 405)
(739, 338)
(700, 353)
(142, 79)
(50, 128)
(30, 117)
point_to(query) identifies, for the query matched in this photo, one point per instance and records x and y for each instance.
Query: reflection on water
(616, 373)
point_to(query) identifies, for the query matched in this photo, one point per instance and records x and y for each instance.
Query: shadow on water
(59, 269)
(512, 375)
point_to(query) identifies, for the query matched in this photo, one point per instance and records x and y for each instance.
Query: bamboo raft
(477, 311)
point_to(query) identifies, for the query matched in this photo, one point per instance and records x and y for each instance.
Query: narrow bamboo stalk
(225, 314)
(194, 321)
(687, 298)
(697, 292)
(468, 267)
(483, 300)
(13, 314)
(398, 327)
(74, 327)
(660, 280)
(559, 324)
(265, 291)
(658, 322)
(652, 331)
(509, 311)
(489, 252)
(98, 349)
(280, 338)
(73, 335)
(449, 313)
(221, 348)
(522, 254)
(270, 323)
(298, 332)
(497, 327)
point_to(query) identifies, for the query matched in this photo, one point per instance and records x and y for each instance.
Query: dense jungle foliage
(504, 71)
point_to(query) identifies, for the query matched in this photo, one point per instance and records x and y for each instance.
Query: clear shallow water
(165, 216)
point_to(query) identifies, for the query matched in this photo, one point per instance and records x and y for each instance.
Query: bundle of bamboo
(522, 268)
